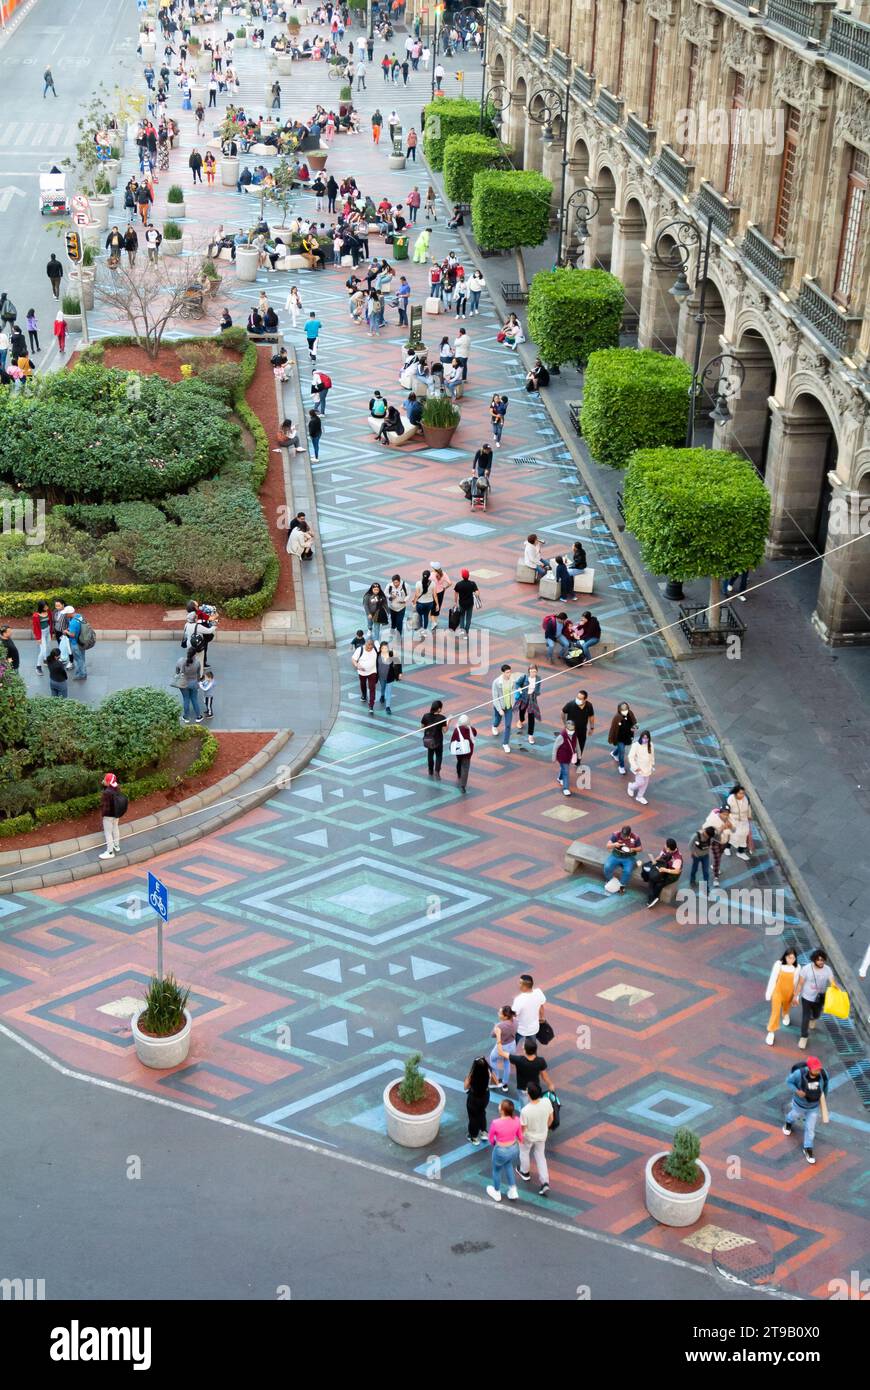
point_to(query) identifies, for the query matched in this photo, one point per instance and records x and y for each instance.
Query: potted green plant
(440, 421)
(413, 1107)
(175, 199)
(345, 94)
(161, 1027)
(72, 312)
(241, 37)
(210, 278)
(677, 1183)
(317, 159)
(172, 239)
(101, 199)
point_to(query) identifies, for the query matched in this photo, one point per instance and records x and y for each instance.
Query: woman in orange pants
(780, 992)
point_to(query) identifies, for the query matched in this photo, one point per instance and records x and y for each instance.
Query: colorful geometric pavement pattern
(369, 910)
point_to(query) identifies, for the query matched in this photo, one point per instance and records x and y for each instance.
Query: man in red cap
(467, 594)
(113, 805)
(809, 1083)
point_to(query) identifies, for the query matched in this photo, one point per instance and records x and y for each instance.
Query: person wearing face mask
(623, 727)
(582, 715)
(642, 761)
(375, 608)
(564, 755)
(528, 690)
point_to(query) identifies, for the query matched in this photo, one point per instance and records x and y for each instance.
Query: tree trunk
(715, 615)
(521, 269)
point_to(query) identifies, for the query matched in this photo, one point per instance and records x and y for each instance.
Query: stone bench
(580, 855)
(525, 574)
(263, 337)
(409, 431)
(535, 644)
(293, 262)
(550, 588)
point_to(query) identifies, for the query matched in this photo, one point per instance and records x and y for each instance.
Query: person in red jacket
(113, 805)
(40, 623)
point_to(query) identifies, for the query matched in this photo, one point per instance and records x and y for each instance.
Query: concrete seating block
(580, 855)
(583, 582)
(549, 588)
(535, 644)
(525, 573)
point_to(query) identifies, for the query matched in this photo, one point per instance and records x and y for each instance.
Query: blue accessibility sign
(158, 897)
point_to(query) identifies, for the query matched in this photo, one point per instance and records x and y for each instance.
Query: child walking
(206, 686)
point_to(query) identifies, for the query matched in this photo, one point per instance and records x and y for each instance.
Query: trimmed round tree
(697, 514)
(510, 209)
(446, 116)
(465, 156)
(573, 313)
(633, 398)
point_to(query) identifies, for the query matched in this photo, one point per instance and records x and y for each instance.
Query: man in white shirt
(461, 344)
(361, 71)
(529, 1009)
(536, 1119)
(397, 602)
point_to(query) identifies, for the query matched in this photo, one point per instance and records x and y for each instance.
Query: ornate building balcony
(497, 11)
(839, 329)
(769, 263)
(539, 46)
(609, 107)
(805, 18)
(560, 65)
(640, 138)
(583, 84)
(711, 204)
(521, 29)
(849, 40)
(673, 171)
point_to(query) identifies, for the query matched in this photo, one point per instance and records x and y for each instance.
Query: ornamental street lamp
(729, 374)
(497, 100)
(587, 206)
(553, 106)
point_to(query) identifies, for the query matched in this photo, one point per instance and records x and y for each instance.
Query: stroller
(477, 491)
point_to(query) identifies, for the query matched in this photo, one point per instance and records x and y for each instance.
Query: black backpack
(120, 803)
(557, 1107)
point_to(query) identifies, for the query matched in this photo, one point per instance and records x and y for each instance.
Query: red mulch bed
(233, 751)
(429, 1101)
(262, 400)
(671, 1184)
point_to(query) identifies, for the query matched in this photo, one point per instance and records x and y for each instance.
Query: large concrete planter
(267, 96)
(240, 43)
(161, 1053)
(413, 1131)
(229, 170)
(100, 205)
(285, 65)
(246, 262)
(198, 94)
(674, 1208)
(438, 436)
(396, 161)
(111, 169)
(73, 323)
(90, 234)
(149, 53)
(171, 248)
(175, 210)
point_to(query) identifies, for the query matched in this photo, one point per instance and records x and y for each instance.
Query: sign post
(415, 337)
(158, 898)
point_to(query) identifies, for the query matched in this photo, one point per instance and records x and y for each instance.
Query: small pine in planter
(681, 1163)
(210, 271)
(115, 152)
(412, 1086)
(102, 187)
(175, 194)
(171, 231)
(345, 94)
(165, 1003)
(71, 305)
(440, 413)
(241, 32)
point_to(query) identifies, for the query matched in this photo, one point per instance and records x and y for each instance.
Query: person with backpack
(81, 639)
(564, 756)
(113, 805)
(811, 983)
(321, 385)
(809, 1086)
(536, 1119)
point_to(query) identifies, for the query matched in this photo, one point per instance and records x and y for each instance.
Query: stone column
(599, 251)
(795, 460)
(628, 262)
(659, 311)
(842, 615)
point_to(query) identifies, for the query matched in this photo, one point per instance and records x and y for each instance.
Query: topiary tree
(13, 707)
(447, 116)
(465, 156)
(681, 1162)
(412, 1085)
(633, 399)
(510, 209)
(282, 191)
(697, 514)
(573, 313)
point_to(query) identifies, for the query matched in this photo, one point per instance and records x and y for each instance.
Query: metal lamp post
(554, 104)
(587, 206)
(686, 237)
(729, 374)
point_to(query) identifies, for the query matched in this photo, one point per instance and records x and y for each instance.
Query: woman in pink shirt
(504, 1136)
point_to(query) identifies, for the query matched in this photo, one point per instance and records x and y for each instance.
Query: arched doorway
(600, 253)
(629, 235)
(801, 453)
(749, 429)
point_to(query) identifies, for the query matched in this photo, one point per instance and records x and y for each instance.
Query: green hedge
(573, 313)
(19, 825)
(465, 156)
(446, 116)
(13, 707)
(251, 420)
(165, 595)
(696, 513)
(633, 399)
(252, 605)
(510, 208)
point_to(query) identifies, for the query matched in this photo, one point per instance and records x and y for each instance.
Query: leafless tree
(150, 295)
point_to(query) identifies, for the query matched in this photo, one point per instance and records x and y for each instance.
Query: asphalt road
(246, 1215)
(85, 43)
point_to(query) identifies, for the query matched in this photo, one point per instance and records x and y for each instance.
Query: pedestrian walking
(48, 84)
(476, 284)
(40, 626)
(377, 122)
(186, 679)
(528, 707)
(212, 91)
(365, 660)
(504, 1031)
(741, 822)
(504, 698)
(461, 348)
(808, 1083)
(361, 75)
(153, 238)
(131, 245)
(530, 1066)
(113, 805)
(375, 608)
(811, 982)
(77, 635)
(462, 747)
(413, 202)
(429, 206)
(528, 1006)
(642, 762)
(434, 723)
(421, 247)
(467, 598)
(536, 1118)
(411, 141)
(194, 163)
(718, 823)
(210, 164)
(441, 582)
(388, 672)
(664, 869)
(780, 992)
(623, 727)
(425, 600)
(312, 332)
(33, 330)
(321, 385)
(54, 271)
(59, 331)
(565, 756)
(4, 346)
(293, 305)
(276, 96)
(505, 1133)
(581, 713)
(57, 675)
(477, 1098)
(623, 848)
(315, 430)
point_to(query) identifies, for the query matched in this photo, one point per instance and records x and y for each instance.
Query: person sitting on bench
(288, 437)
(665, 868)
(458, 218)
(622, 849)
(255, 323)
(314, 253)
(270, 320)
(392, 425)
(537, 377)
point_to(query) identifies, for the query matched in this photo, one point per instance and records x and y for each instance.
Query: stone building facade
(757, 117)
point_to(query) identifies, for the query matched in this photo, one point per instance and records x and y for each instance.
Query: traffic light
(73, 247)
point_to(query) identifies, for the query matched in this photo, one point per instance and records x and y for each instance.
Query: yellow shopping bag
(836, 1002)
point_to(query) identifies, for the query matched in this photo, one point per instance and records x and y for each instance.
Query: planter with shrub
(345, 94)
(172, 239)
(413, 1107)
(175, 200)
(633, 398)
(101, 200)
(72, 312)
(573, 313)
(241, 37)
(161, 1030)
(465, 156)
(317, 159)
(440, 421)
(677, 1183)
(446, 116)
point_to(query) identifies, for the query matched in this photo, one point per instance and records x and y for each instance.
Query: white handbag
(460, 746)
